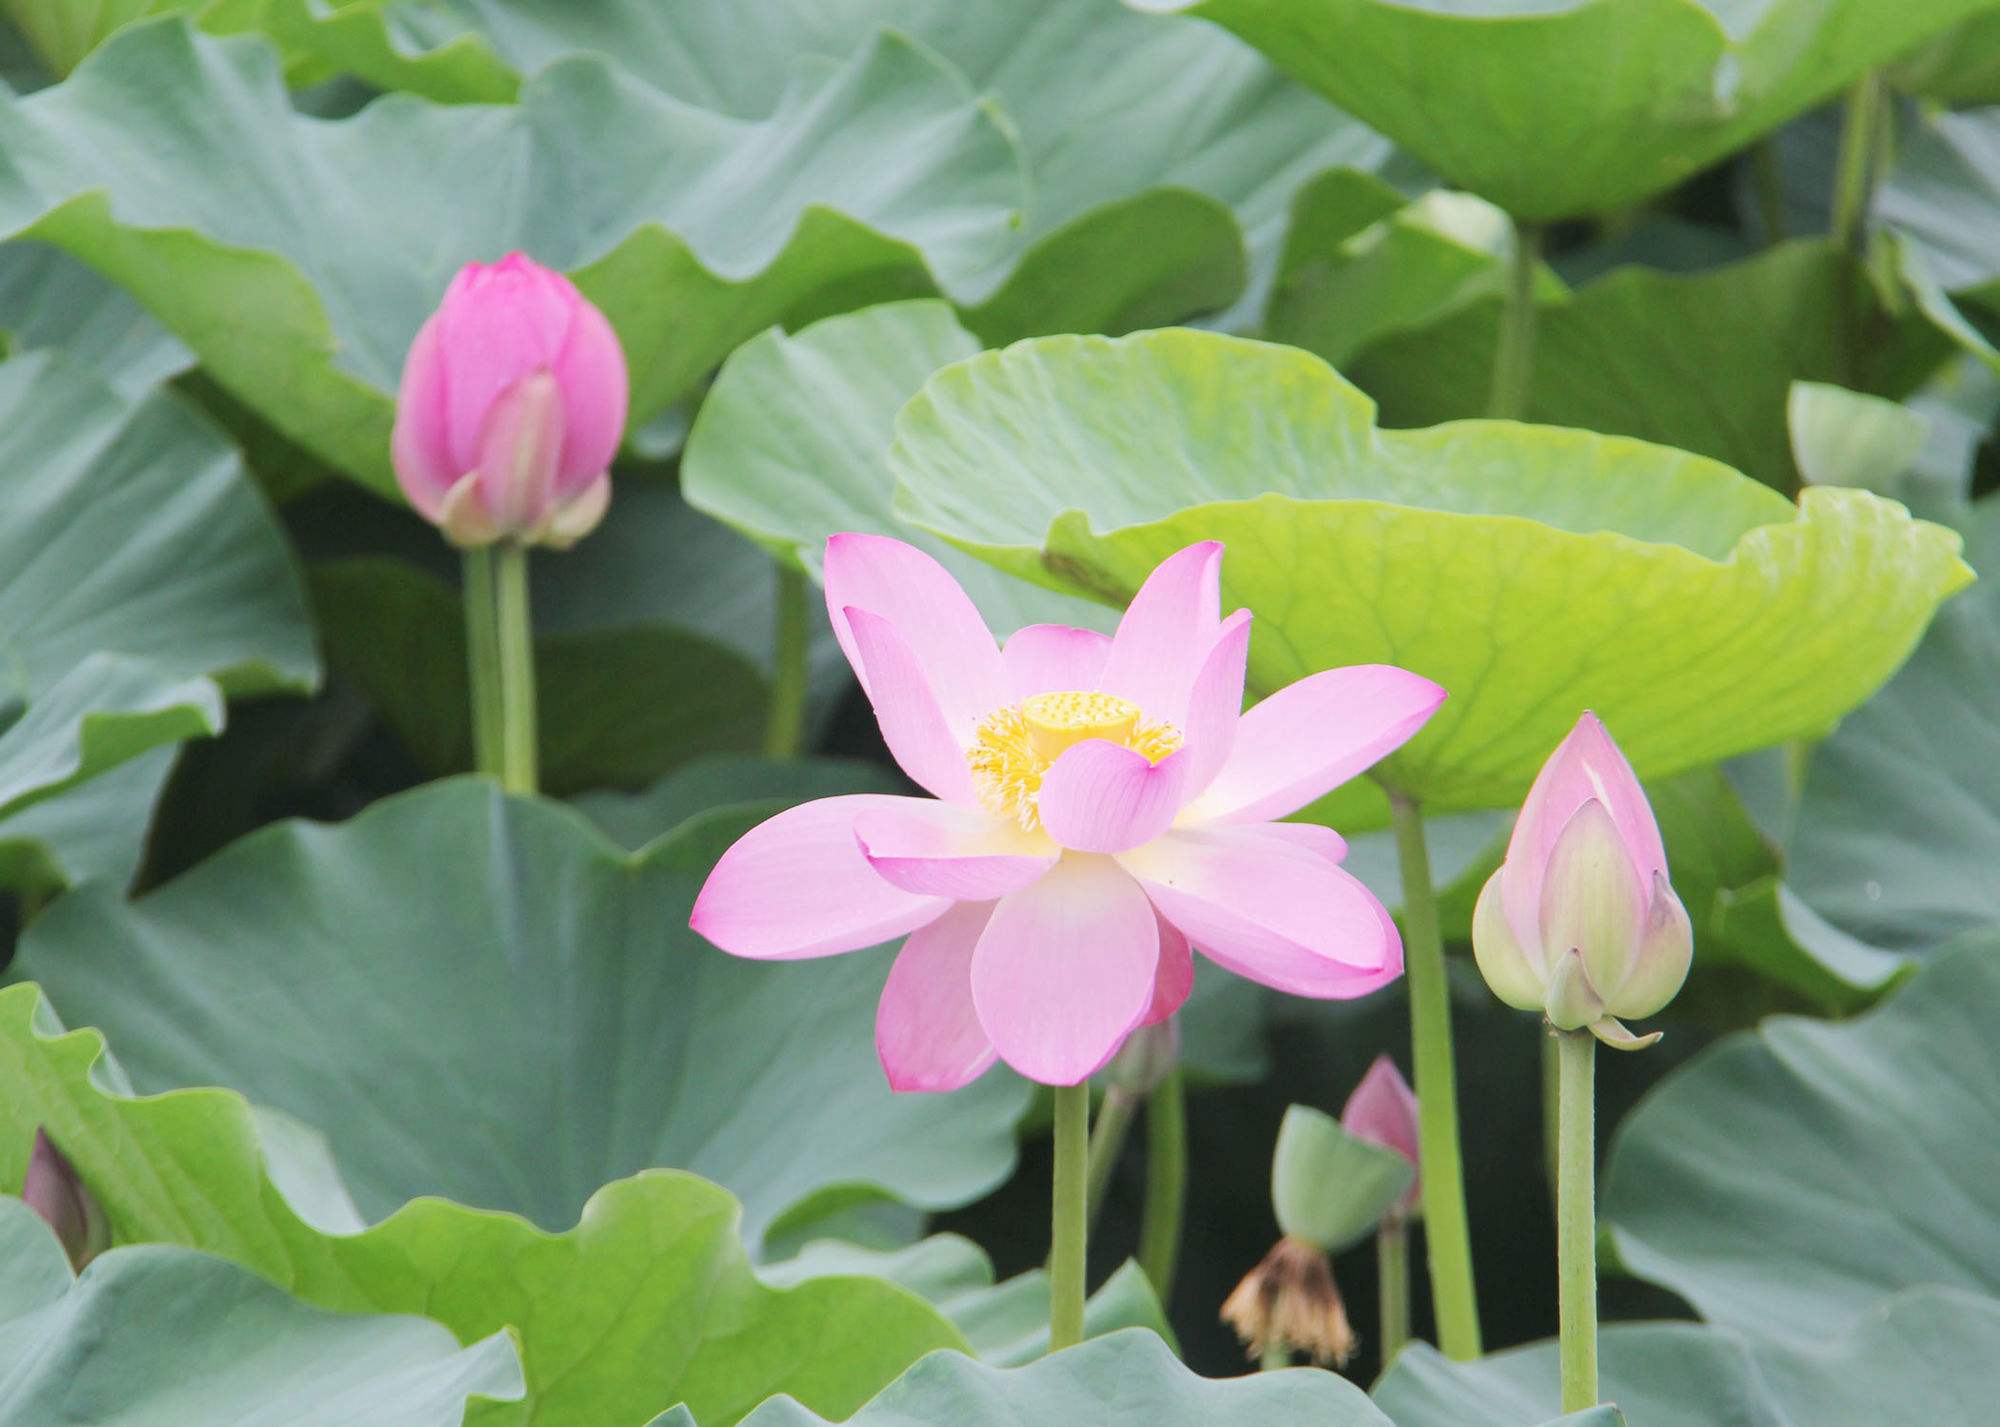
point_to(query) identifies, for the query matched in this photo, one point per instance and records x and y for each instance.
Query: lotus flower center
(1014, 746)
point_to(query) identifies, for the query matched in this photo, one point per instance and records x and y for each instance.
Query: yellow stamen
(1014, 746)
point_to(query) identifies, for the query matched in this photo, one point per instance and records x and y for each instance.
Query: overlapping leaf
(175, 1338)
(480, 998)
(647, 1301)
(1554, 111)
(1923, 1359)
(1154, 150)
(141, 162)
(1791, 1181)
(1704, 362)
(1533, 571)
(144, 580)
(1129, 1379)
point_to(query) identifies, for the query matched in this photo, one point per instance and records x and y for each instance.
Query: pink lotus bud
(1383, 1110)
(511, 408)
(1580, 922)
(53, 1190)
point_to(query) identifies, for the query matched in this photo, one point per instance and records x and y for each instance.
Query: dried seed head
(1291, 1301)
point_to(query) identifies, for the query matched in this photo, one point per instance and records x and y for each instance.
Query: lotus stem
(784, 728)
(516, 642)
(1166, 1183)
(1069, 1221)
(1107, 1142)
(1514, 355)
(482, 654)
(1449, 1239)
(1576, 1221)
(1392, 1272)
(1274, 1357)
(1866, 113)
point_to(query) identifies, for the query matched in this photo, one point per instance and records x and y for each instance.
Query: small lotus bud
(511, 408)
(1290, 1302)
(1383, 1111)
(1580, 922)
(53, 1190)
(1148, 1056)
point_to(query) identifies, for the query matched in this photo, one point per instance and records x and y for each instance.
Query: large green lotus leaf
(873, 177)
(791, 445)
(1553, 110)
(1129, 1379)
(1921, 1360)
(516, 1023)
(1153, 150)
(618, 705)
(1943, 195)
(1005, 1323)
(1960, 67)
(144, 580)
(117, 1345)
(649, 1300)
(50, 300)
(1897, 830)
(1360, 263)
(1533, 571)
(1704, 361)
(634, 819)
(1789, 1180)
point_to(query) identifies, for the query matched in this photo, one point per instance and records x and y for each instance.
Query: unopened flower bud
(1290, 1302)
(1383, 1111)
(53, 1190)
(512, 405)
(1580, 922)
(1148, 1056)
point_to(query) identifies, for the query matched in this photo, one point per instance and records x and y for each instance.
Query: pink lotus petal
(519, 450)
(1173, 982)
(498, 322)
(1066, 969)
(1383, 1110)
(419, 445)
(1053, 659)
(1166, 633)
(1320, 841)
(1312, 736)
(941, 850)
(927, 1032)
(950, 642)
(1282, 916)
(1215, 703)
(1586, 765)
(797, 885)
(590, 369)
(1103, 797)
(912, 724)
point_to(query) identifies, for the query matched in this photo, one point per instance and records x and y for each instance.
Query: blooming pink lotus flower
(511, 408)
(1101, 803)
(1579, 922)
(1383, 1111)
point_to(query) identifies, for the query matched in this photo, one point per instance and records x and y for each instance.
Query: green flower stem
(1392, 1271)
(1276, 1356)
(1576, 1222)
(482, 657)
(1454, 1300)
(1551, 1112)
(516, 640)
(1514, 355)
(1107, 1141)
(1069, 1225)
(784, 729)
(1867, 112)
(1768, 180)
(1166, 1183)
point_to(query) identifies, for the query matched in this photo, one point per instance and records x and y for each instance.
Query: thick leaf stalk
(1576, 1219)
